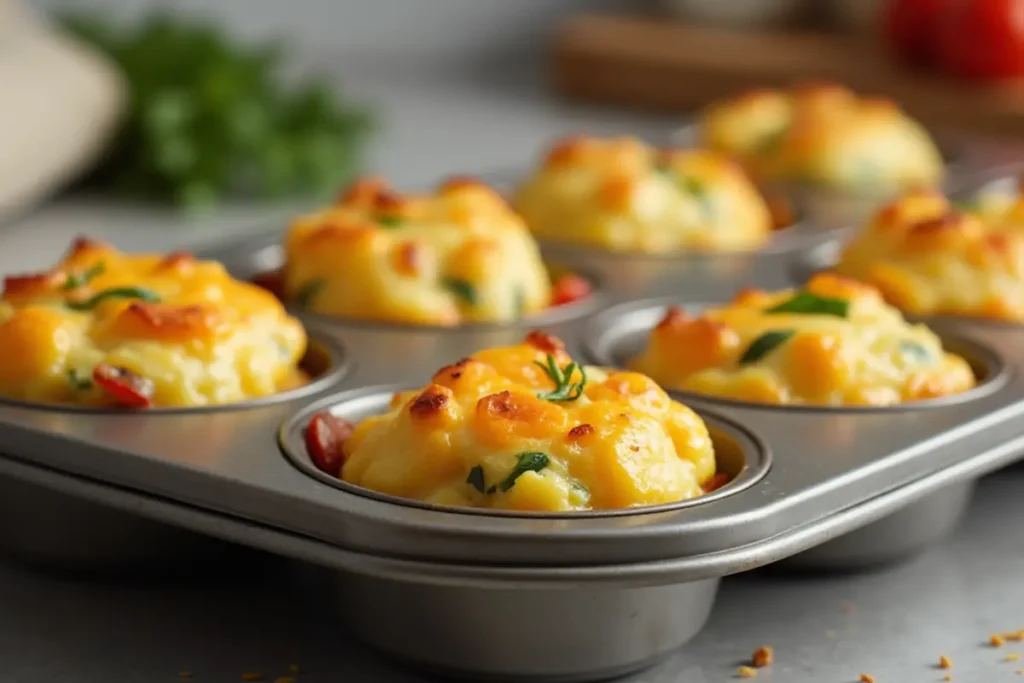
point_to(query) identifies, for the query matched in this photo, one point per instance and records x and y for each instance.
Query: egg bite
(833, 343)
(928, 257)
(525, 428)
(623, 195)
(825, 135)
(460, 255)
(108, 329)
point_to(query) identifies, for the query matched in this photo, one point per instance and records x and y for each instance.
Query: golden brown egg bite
(623, 195)
(930, 258)
(104, 328)
(833, 343)
(461, 255)
(525, 428)
(824, 135)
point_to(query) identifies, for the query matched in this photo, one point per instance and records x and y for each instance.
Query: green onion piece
(76, 280)
(307, 292)
(916, 351)
(75, 381)
(114, 293)
(461, 288)
(390, 221)
(764, 345)
(812, 304)
(476, 479)
(528, 462)
(565, 388)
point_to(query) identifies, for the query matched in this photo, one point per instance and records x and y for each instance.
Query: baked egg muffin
(928, 257)
(824, 135)
(623, 195)
(833, 343)
(525, 428)
(461, 255)
(104, 328)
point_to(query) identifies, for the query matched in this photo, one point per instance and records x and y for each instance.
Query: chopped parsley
(530, 461)
(76, 280)
(461, 288)
(805, 302)
(565, 388)
(114, 293)
(764, 345)
(76, 381)
(390, 221)
(304, 297)
(476, 479)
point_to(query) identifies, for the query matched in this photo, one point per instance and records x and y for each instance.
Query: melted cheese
(929, 259)
(461, 255)
(824, 135)
(623, 443)
(623, 195)
(208, 340)
(870, 356)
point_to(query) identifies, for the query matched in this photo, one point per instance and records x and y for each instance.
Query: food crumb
(763, 656)
(996, 640)
(1015, 636)
(294, 668)
(867, 678)
(947, 677)
(746, 672)
(1019, 672)
(252, 676)
(945, 662)
(1012, 657)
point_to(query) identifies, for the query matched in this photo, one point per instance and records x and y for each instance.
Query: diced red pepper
(569, 288)
(326, 435)
(128, 389)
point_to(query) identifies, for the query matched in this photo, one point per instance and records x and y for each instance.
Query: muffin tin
(519, 596)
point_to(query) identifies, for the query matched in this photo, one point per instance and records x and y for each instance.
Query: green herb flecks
(114, 293)
(307, 292)
(390, 221)
(565, 388)
(76, 280)
(530, 461)
(77, 382)
(915, 351)
(462, 289)
(812, 304)
(699, 191)
(764, 345)
(476, 479)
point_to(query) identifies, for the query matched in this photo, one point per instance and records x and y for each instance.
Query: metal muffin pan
(605, 594)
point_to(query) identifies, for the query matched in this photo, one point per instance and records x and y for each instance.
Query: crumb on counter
(763, 656)
(945, 662)
(867, 678)
(1012, 657)
(746, 672)
(996, 640)
(947, 677)
(1015, 636)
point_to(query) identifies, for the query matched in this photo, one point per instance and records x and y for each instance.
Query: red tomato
(569, 288)
(909, 27)
(124, 386)
(983, 39)
(325, 440)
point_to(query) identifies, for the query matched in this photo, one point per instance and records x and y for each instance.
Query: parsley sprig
(76, 280)
(565, 388)
(530, 461)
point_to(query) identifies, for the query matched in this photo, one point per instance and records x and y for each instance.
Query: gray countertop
(56, 630)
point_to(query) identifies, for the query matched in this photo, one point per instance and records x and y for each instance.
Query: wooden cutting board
(664, 65)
